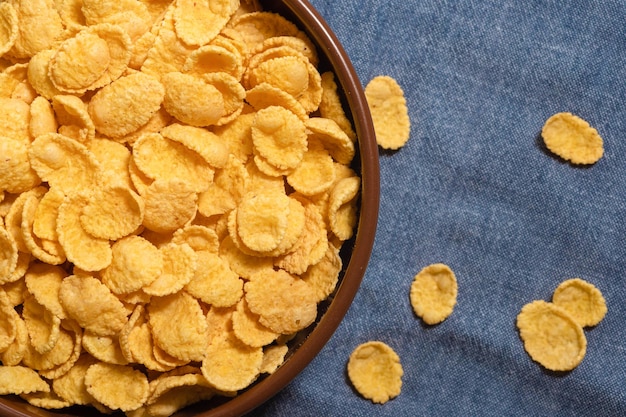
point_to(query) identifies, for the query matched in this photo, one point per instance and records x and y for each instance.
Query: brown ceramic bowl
(355, 253)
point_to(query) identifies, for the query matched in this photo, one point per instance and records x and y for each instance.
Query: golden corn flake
(21, 380)
(198, 237)
(203, 142)
(214, 282)
(112, 213)
(214, 58)
(71, 386)
(332, 137)
(116, 386)
(92, 305)
(387, 105)
(315, 174)
(273, 357)
(433, 293)
(323, 276)
(8, 326)
(44, 328)
(342, 210)
(551, 336)
(44, 282)
(192, 100)
(104, 348)
(189, 338)
(93, 58)
(279, 136)
(582, 300)
(262, 220)
(40, 14)
(248, 329)
(142, 348)
(73, 119)
(49, 252)
(255, 27)
(16, 172)
(170, 393)
(14, 353)
(230, 365)
(126, 104)
(160, 158)
(169, 205)
(8, 252)
(114, 159)
(330, 105)
(284, 303)
(244, 265)
(572, 138)
(53, 359)
(265, 95)
(375, 371)
(44, 223)
(82, 249)
(9, 28)
(232, 92)
(179, 268)
(48, 400)
(135, 263)
(198, 22)
(64, 163)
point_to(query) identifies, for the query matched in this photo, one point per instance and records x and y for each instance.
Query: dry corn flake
(375, 371)
(582, 300)
(388, 108)
(551, 336)
(433, 293)
(572, 138)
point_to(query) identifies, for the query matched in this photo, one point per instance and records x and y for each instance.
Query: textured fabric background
(474, 188)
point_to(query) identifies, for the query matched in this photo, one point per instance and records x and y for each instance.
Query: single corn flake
(214, 282)
(92, 305)
(170, 204)
(21, 380)
(551, 336)
(198, 22)
(8, 255)
(262, 220)
(582, 300)
(8, 324)
(572, 138)
(331, 107)
(104, 348)
(387, 105)
(117, 386)
(135, 263)
(9, 27)
(44, 282)
(71, 386)
(179, 268)
(342, 209)
(273, 357)
(112, 213)
(375, 371)
(284, 303)
(433, 293)
(248, 329)
(192, 100)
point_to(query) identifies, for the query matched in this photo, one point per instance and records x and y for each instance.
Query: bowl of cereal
(187, 208)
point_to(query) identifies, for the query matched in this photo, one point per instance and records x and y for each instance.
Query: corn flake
(388, 108)
(21, 380)
(551, 336)
(375, 371)
(582, 300)
(112, 213)
(433, 293)
(572, 138)
(116, 386)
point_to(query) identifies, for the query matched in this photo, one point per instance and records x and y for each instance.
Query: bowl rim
(307, 18)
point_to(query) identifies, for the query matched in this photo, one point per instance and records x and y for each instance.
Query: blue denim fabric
(474, 188)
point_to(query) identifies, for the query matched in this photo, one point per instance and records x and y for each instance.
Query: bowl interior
(355, 253)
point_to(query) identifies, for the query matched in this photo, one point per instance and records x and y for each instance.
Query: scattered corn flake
(126, 104)
(284, 303)
(551, 336)
(375, 371)
(572, 138)
(92, 305)
(64, 163)
(582, 300)
(21, 380)
(387, 105)
(433, 293)
(188, 339)
(117, 386)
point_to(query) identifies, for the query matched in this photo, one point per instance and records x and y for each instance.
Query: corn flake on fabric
(476, 188)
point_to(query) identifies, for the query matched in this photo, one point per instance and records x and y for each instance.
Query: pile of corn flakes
(175, 186)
